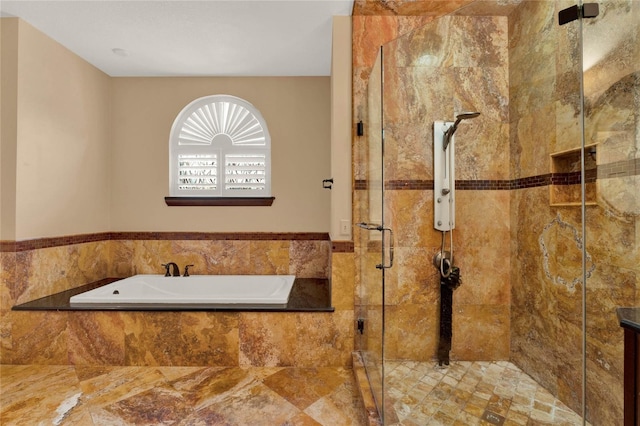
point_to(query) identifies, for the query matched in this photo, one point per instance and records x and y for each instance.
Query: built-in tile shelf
(565, 189)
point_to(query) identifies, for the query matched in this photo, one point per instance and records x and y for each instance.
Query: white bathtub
(235, 290)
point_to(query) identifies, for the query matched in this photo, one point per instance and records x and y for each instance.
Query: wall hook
(327, 183)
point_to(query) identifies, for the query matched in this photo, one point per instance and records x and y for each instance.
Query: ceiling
(191, 38)
(215, 37)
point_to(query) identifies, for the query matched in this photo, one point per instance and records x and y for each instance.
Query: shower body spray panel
(444, 205)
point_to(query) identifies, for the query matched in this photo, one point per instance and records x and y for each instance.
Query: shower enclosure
(547, 231)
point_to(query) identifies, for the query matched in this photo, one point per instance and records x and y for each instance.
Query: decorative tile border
(410, 184)
(40, 243)
(484, 185)
(8, 246)
(236, 236)
(361, 184)
(604, 171)
(619, 169)
(342, 247)
(531, 181)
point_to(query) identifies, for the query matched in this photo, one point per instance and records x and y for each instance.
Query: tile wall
(520, 257)
(30, 271)
(546, 310)
(461, 75)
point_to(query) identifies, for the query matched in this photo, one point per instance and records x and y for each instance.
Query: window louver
(198, 172)
(245, 172)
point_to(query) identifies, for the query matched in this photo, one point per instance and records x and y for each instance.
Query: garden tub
(202, 290)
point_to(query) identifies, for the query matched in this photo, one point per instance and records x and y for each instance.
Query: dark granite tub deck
(307, 295)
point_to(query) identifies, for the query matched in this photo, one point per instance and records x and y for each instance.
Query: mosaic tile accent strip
(342, 247)
(411, 184)
(361, 184)
(573, 178)
(531, 182)
(619, 169)
(484, 185)
(235, 236)
(40, 243)
(613, 170)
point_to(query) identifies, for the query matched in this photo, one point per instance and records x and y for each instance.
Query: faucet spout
(169, 266)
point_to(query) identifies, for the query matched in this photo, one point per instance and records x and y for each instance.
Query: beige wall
(91, 152)
(341, 129)
(8, 95)
(296, 110)
(62, 140)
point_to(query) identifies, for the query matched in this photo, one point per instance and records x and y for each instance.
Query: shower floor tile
(469, 393)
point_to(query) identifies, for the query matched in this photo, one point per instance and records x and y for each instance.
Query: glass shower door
(611, 83)
(369, 241)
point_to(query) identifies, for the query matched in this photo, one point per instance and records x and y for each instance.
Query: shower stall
(547, 213)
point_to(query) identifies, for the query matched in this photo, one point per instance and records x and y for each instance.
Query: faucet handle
(186, 270)
(167, 266)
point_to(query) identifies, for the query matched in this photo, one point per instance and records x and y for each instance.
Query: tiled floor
(67, 395)
(469, 393)
(463, 394)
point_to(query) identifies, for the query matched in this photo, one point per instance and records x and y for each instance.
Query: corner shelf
(565, 190)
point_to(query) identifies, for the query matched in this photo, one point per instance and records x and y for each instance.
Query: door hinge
(588, 10)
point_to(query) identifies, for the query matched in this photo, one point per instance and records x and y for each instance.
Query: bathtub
(196, 290)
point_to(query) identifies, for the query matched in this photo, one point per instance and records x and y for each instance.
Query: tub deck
(307, 295)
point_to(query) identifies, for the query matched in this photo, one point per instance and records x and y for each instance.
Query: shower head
(466, 116)
(451, 130)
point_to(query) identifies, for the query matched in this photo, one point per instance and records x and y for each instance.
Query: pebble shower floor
(469, 393)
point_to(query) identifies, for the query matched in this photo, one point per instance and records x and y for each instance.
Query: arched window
(219, 146)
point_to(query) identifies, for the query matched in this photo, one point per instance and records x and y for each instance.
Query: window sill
(219, 201)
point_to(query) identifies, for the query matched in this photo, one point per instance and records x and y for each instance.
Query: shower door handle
(376, 227)
(391, 242)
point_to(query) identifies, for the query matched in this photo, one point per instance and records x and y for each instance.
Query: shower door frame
(372, 242)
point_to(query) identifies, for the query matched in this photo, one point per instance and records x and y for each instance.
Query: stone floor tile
(90, 396)
(474, 393)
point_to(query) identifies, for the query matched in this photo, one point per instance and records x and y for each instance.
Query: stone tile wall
(520, 257)
(547, 284)
(459, 75)
(173, 338)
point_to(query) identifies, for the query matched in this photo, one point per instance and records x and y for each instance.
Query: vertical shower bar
(443, 179)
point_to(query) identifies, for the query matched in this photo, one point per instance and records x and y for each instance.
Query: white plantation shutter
(220, 146)
(245, 172)
(198, 172)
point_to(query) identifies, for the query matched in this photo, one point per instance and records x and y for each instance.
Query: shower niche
(565, 187)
